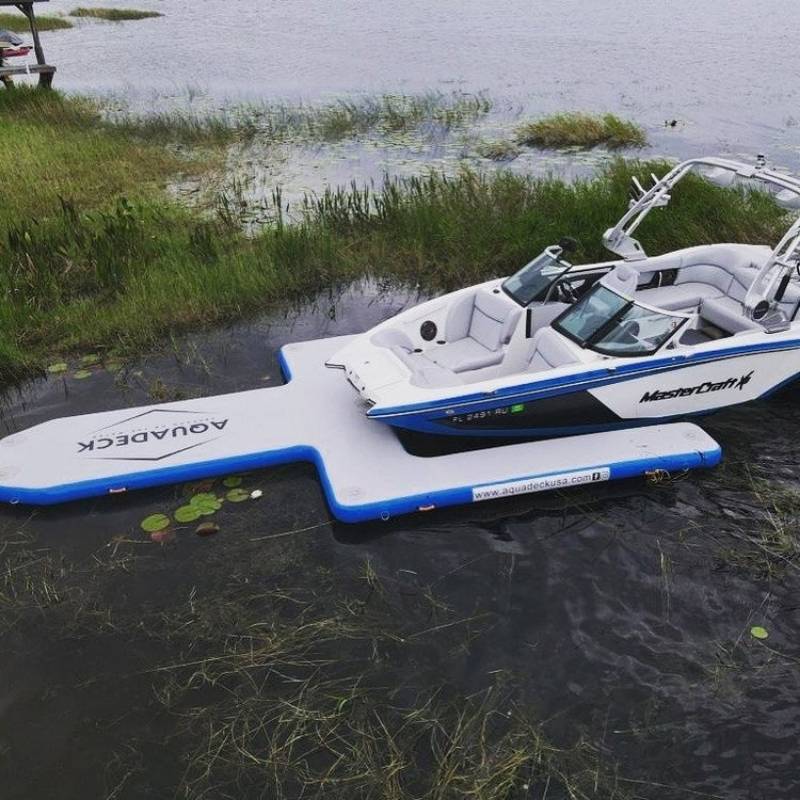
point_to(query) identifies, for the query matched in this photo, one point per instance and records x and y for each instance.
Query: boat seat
(678, 296)
(424, 372)
(549, 350)
(477, 328)
(698, 278)
(727, 314)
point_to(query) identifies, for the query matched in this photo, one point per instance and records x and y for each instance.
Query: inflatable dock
(316, 416)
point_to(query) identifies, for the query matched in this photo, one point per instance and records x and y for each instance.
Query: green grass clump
(114, 14)
(576, 129)
(19, 23)
(501, 150)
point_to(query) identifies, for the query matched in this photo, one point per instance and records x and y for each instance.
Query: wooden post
(27, 10)
(45, 78)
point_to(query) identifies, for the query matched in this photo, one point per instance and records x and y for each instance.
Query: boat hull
(627, 395)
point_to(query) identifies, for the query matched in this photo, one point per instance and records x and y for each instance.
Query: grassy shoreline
(97, 257)
(18, 22)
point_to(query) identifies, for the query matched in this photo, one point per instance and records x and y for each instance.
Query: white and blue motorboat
(561, 348)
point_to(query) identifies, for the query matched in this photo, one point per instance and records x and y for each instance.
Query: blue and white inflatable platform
(316, 416)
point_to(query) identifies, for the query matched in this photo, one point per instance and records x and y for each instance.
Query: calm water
(721, 65)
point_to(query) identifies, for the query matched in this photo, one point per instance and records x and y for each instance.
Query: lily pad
(155, 522)
(206, 503)
(232, 481)
(757, 632)
(203, 498)
(187, 514)
(162, 537)
(90, 360)
(114, 366)
(81, 374)
(237, 495)
(56, 369)
(206, 529)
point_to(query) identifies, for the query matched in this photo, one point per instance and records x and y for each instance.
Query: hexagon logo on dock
(153, 435)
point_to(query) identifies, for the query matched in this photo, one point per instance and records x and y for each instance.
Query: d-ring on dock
(316, 416)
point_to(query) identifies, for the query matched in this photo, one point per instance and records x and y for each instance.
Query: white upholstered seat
(476, 330)
(549, 350)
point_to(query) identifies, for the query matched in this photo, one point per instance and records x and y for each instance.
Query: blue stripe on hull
(427, 423)
(595, 379)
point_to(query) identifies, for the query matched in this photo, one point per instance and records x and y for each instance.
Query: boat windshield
(614, 325)
(534, 278)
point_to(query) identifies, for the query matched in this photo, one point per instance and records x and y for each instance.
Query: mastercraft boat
(561, 348)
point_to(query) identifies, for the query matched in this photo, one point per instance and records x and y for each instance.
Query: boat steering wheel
(566, 294)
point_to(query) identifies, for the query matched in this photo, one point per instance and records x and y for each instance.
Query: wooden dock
(41, 68)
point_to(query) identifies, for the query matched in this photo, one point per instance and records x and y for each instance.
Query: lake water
(726, 72)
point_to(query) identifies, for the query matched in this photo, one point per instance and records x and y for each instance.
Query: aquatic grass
(184, 127)
(309, 691)
(577, 129)
(114, 14)
(30, 107)
(759, 532)
(18, 23)
(350, 685)
(393, 113)
(386, 114)
(500, 150)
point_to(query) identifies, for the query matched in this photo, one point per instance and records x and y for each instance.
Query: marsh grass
(97, 258)
(394, 114)
(387, 115)
(19, 22)
(39, 585)
(127, 276)
(58, 150)
(576, 129)
(114, 14)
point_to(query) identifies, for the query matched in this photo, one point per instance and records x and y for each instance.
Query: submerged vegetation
(98, 258)
(114, 14)
(388, 114)
(44, 22)
(576, 129)
(347, 684)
